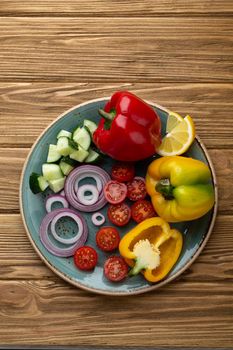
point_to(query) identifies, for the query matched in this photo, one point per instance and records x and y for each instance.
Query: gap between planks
(109, 16)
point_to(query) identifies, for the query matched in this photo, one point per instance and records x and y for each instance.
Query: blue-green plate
(195, 233)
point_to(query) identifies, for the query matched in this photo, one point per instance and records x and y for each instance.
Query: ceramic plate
(195, 233)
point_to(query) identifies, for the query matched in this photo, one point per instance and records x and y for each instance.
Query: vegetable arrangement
(180, 188)
(175, 188)
(130, 129)
(71, 149)
(152, 247)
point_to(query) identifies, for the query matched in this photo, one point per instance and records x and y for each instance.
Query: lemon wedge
(180, 135)
(172, 121)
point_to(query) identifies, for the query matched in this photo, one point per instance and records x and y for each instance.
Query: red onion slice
(95, 219)
(50, 246)
(53, 199)
(99, 184)
(85, 171)
(78, 221)
(89, 199)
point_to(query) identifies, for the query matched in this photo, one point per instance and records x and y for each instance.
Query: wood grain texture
(28, 108)
(57, 54)
(38, 307)
(12, 162)
(137, 49)
(37, 312)
(115, 8)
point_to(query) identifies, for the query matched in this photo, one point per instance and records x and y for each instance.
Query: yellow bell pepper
(152, 248)
(180, 188)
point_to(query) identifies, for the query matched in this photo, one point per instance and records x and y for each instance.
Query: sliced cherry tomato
(142, 210)
(123, 172)
(85, 258)
(107, 238)
(115, 268)
(115, 192)
(136, 189)
(119, 214)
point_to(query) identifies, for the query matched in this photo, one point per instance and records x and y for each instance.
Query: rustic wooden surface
(55, 54)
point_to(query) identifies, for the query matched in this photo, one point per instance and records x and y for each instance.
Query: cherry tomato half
(123, 172)
(115, 192)
(119, 214)
(85, 258)
(136, 189)
(141, 210)
(115, 268)
(107, 238)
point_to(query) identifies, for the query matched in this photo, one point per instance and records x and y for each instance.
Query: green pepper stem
(165, 187)
(108, 116)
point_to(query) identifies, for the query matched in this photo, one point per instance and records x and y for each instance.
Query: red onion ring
(62, 193)
(96, 221)
(53, 199)
(99, 184)
(90, 199)
(88, 171)
(43, 233)
(78, 221)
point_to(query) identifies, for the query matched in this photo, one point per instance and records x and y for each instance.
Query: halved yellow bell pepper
(152, 248)
(180, 188)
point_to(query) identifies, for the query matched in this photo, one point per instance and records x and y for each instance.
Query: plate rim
(117, 293)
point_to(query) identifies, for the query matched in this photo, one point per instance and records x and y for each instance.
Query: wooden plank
(12, 161)
(201, 300)
(46, 313)
(9, 187)
(114, 8)
(27, 108)
(23, 263)
(137, 49)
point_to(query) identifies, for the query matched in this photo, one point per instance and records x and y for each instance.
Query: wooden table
(55, 54)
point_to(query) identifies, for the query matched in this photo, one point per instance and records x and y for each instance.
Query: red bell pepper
(130, 129)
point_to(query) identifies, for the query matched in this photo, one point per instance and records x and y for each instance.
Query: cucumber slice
(51, 171)
(73, 145)
(37, 183)
(90, 125)
(92, 157)
(69, 161)
(65, 167)
(64, 133)
(82, 137)
(57, 185)
(80, 155)
(53, 154)
(63, 146)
